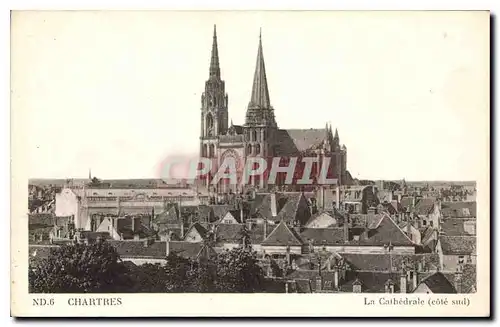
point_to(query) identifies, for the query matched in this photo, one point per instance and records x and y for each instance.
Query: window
(257, 149)
(424, 222)
(254, 135)
(461, 259)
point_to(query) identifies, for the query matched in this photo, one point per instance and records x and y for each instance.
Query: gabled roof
(455, 227)
(459, 209)
(169, 216)
(198, 228)
(385, 232)
(295, 141)
(282, 235)
(236, 214)
(323, 236)
(438, 283)
(230, 233)
(156, 250)
(371, 282)
(458, 245)
(319, 214)
(295, 208)
(425, 206)
(220, 210)
(266, 205)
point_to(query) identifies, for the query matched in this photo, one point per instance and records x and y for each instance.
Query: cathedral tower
(214, 100)
(260, 124)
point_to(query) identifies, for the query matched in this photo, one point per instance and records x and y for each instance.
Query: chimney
(403, 282)
(167, 245)
(182, 229)
(346, 228)
(319, 283)
(415, 279)
(274, 209)
(242, 218)
(458, 279)
(322, 197)
(337, 197)
(336, 278)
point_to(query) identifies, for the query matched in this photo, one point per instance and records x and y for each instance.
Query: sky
(119, 92)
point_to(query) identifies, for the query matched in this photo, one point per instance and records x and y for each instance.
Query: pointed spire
(214, 61)
(231, 122)
(90, 174)
(260, 92)
(336, 134)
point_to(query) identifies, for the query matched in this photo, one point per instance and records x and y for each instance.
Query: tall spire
(214, 61)
(336, 134)
(260, 92)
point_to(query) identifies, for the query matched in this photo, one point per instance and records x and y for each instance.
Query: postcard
(250, 163)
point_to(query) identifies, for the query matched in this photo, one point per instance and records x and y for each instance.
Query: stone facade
(260, 135)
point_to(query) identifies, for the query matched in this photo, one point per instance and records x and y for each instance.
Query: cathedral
(260, 135)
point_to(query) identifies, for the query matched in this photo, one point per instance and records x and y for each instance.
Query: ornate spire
(260, 92)
(214, 61)
(336, 134)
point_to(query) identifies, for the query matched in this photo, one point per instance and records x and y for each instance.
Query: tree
(173, 277)
(80, 268)
(95, 181)
(244, 235)
(238, 271)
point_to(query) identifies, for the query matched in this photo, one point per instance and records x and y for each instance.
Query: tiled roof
(323, 236)
(264, 209)
(236, 215)
(406, 203)
(202, 231)
(371, 282)
(230, 233)
(425, 206)
(295, 141)
(282, 235)
(169, 216)
(220, 210)
(387, 232)
(157, 250)
(469, 278)
(455, 227)
(438, 283)
(41, 220)
(382, 262)
(295, 208)
(458, 244)
(459, 209)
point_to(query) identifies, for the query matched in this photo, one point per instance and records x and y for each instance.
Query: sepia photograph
(334, 154)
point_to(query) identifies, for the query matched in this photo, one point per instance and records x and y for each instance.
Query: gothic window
(249, 149)
(212, 151)
(209, 124)
(263, 135)
(257, 149)
(254, 135)
(204, 151)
